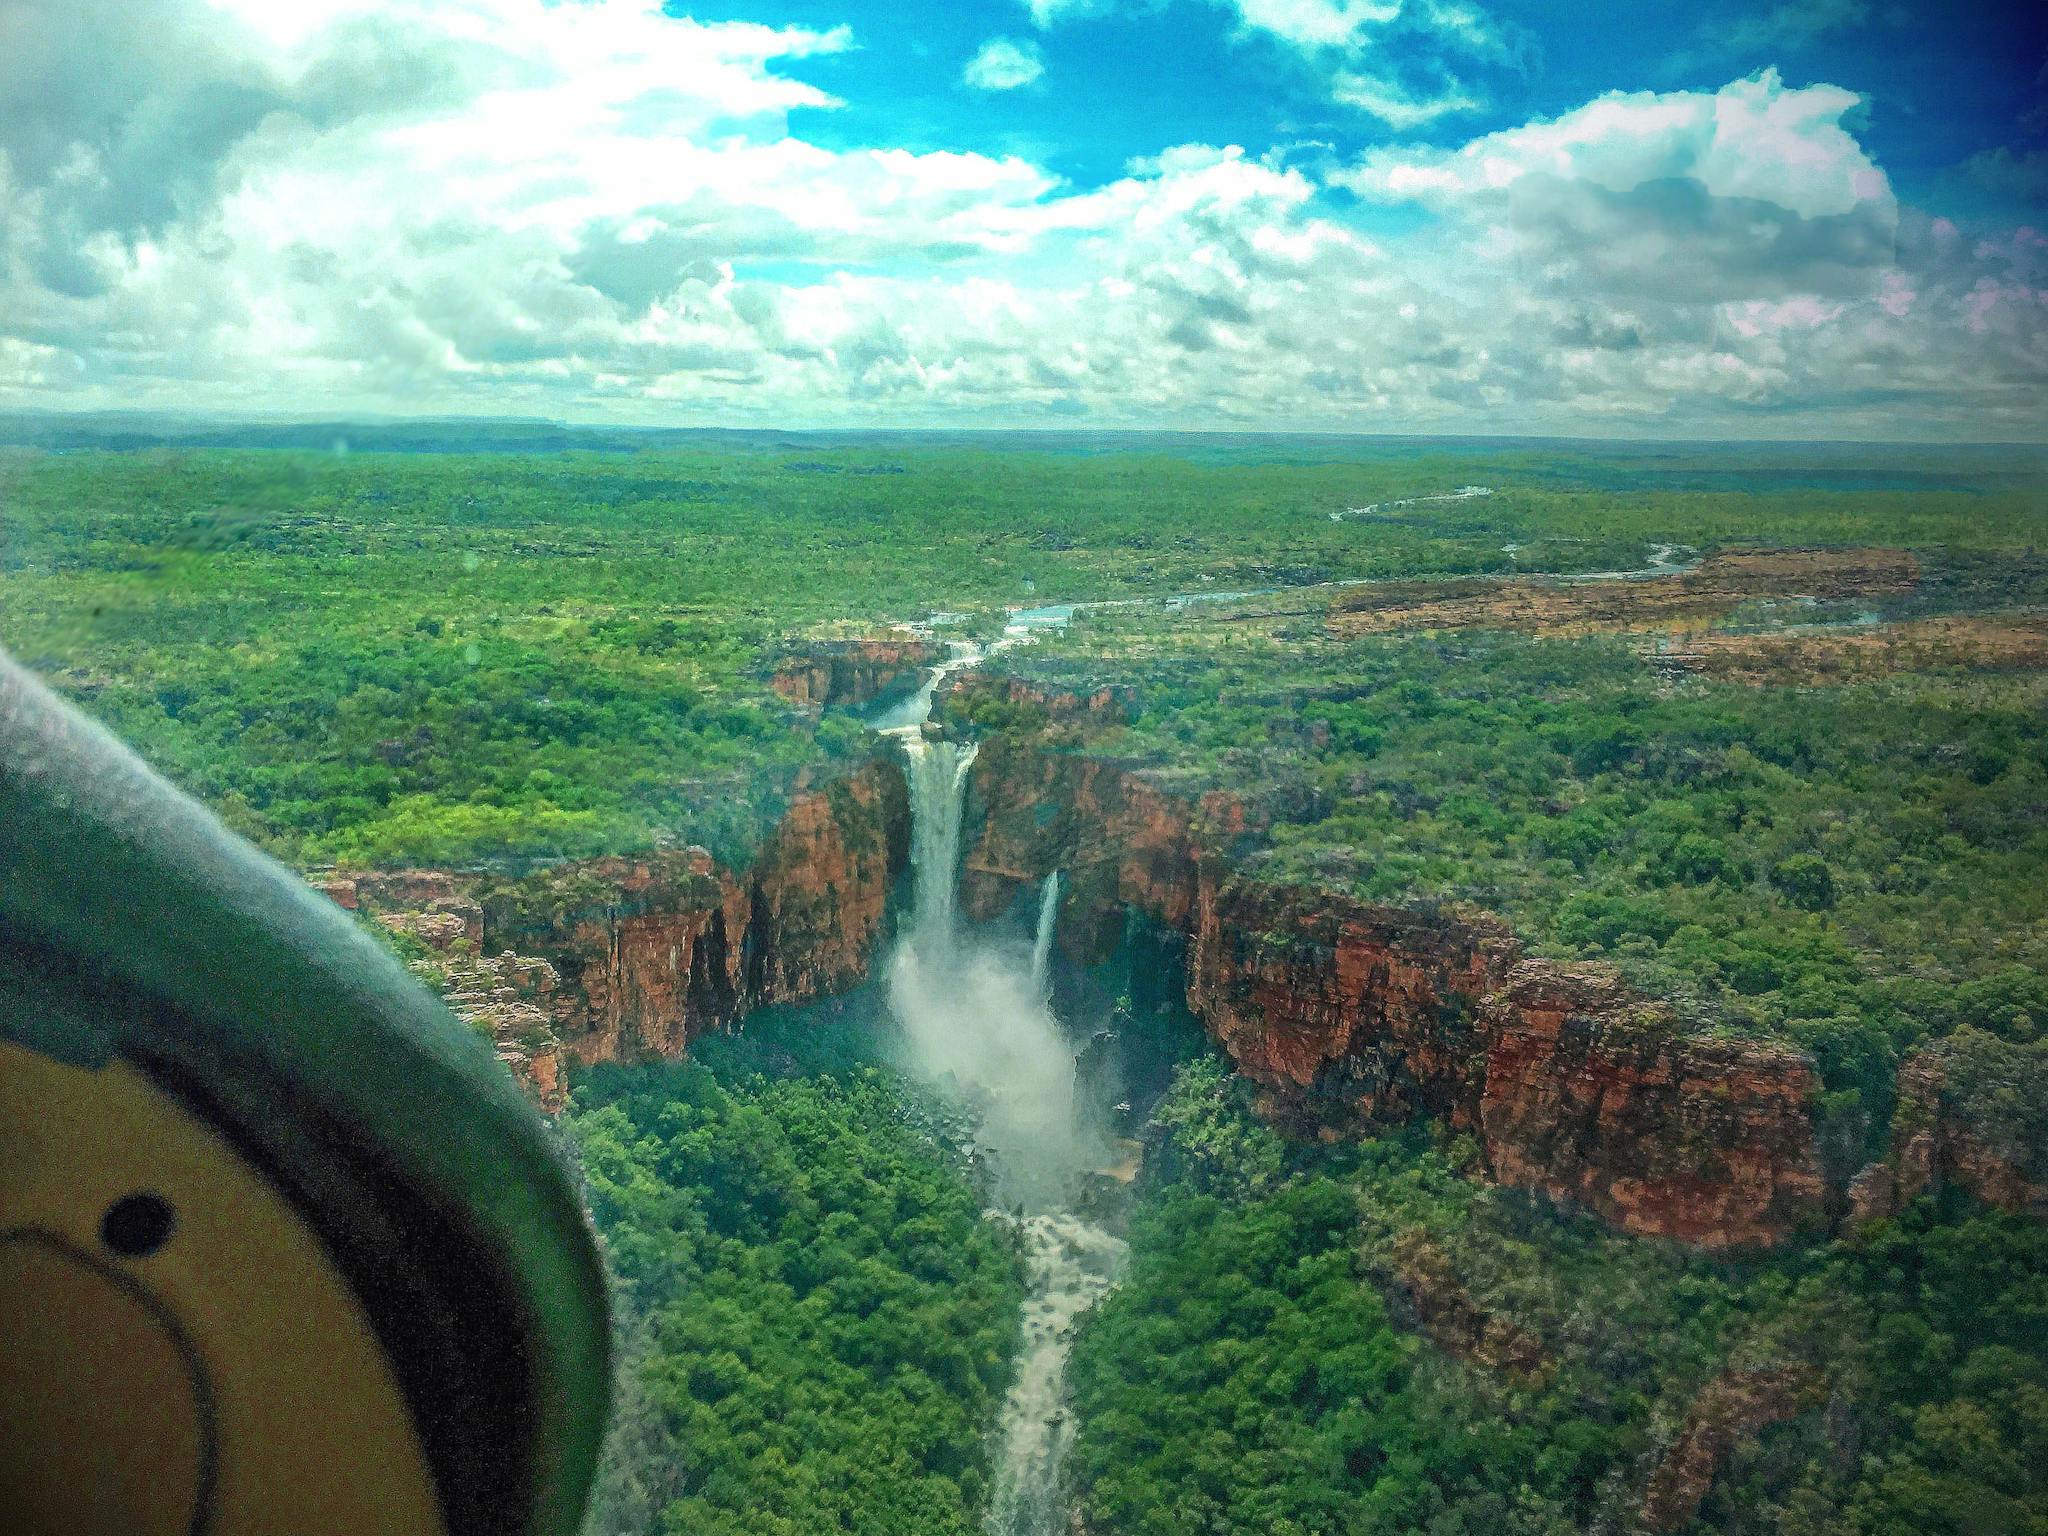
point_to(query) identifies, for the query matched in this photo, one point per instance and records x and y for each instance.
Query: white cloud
(1044, 13)
(1752, 191)
(1003, 64)
(1753, 138)
(1317, 23)
(572, 210)
(1395, 105)
(1386, 57)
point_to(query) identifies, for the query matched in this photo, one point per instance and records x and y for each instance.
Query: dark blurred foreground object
(282, 1248)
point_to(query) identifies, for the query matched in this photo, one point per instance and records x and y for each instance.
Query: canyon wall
(1351, 1017)
(846, 674)
(1970, 1116)
(1347, 1017)
(621, 958)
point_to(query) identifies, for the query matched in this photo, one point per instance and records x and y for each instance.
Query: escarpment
(1352, 1017)
(1592, 1094)
(846, 674)
(629, 957)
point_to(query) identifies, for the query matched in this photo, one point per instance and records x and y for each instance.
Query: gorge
(975, 1010)
(958, 870)
(1347, 1017)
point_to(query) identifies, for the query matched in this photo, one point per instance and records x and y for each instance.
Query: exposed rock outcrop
(505, 998)
(640, 955)
(845, 674)
(1121, 835)
(1733, 1409)
(1878, 650)
(1352, 1017)
(1347, 1016)
(1427, 1286)
(1715, 585)
(1970, 1115)
(1592, 1094)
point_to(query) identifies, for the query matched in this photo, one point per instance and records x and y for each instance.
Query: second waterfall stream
(978, 1016)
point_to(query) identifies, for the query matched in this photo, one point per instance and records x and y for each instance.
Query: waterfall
(977, 1017)
(938, 795)
(972, 1014)
(1041, 945)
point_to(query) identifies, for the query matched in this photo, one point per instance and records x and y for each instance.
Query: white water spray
(978, 1018)
(974, 1015)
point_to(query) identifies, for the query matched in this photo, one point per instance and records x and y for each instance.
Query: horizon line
(201, 419)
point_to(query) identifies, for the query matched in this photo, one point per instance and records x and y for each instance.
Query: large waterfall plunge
(978, 1017)
(975, 1014)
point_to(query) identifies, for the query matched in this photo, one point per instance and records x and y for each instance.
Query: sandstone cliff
(621, 958)
(1973, 1114)
(502, 997)
(1878, 650)
(846, 674)
(1352, 1017)
(1592, 1094)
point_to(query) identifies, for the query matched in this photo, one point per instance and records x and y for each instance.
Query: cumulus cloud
(1752, 138)
(1755, 190)
(599, 210)
(1003, 64)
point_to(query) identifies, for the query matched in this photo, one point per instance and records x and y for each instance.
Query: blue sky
(1942, 82)
(1768, 218)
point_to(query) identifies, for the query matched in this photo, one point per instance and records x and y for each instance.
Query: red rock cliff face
(1592, 1094)
(1348, 1016)
(1121, 836)
(850, 673)
(643, 954)
(1351, 1017)
(1942, 1135)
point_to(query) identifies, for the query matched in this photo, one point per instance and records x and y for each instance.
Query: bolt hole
(135, 1226)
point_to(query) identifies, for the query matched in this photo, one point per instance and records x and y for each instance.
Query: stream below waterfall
(976, 1011)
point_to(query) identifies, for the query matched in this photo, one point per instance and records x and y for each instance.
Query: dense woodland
(387, 658)
(487, 658)
(1856, 868)
(1261, 1368)
(815, 1320)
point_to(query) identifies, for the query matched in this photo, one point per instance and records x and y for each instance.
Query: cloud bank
(598, 211)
